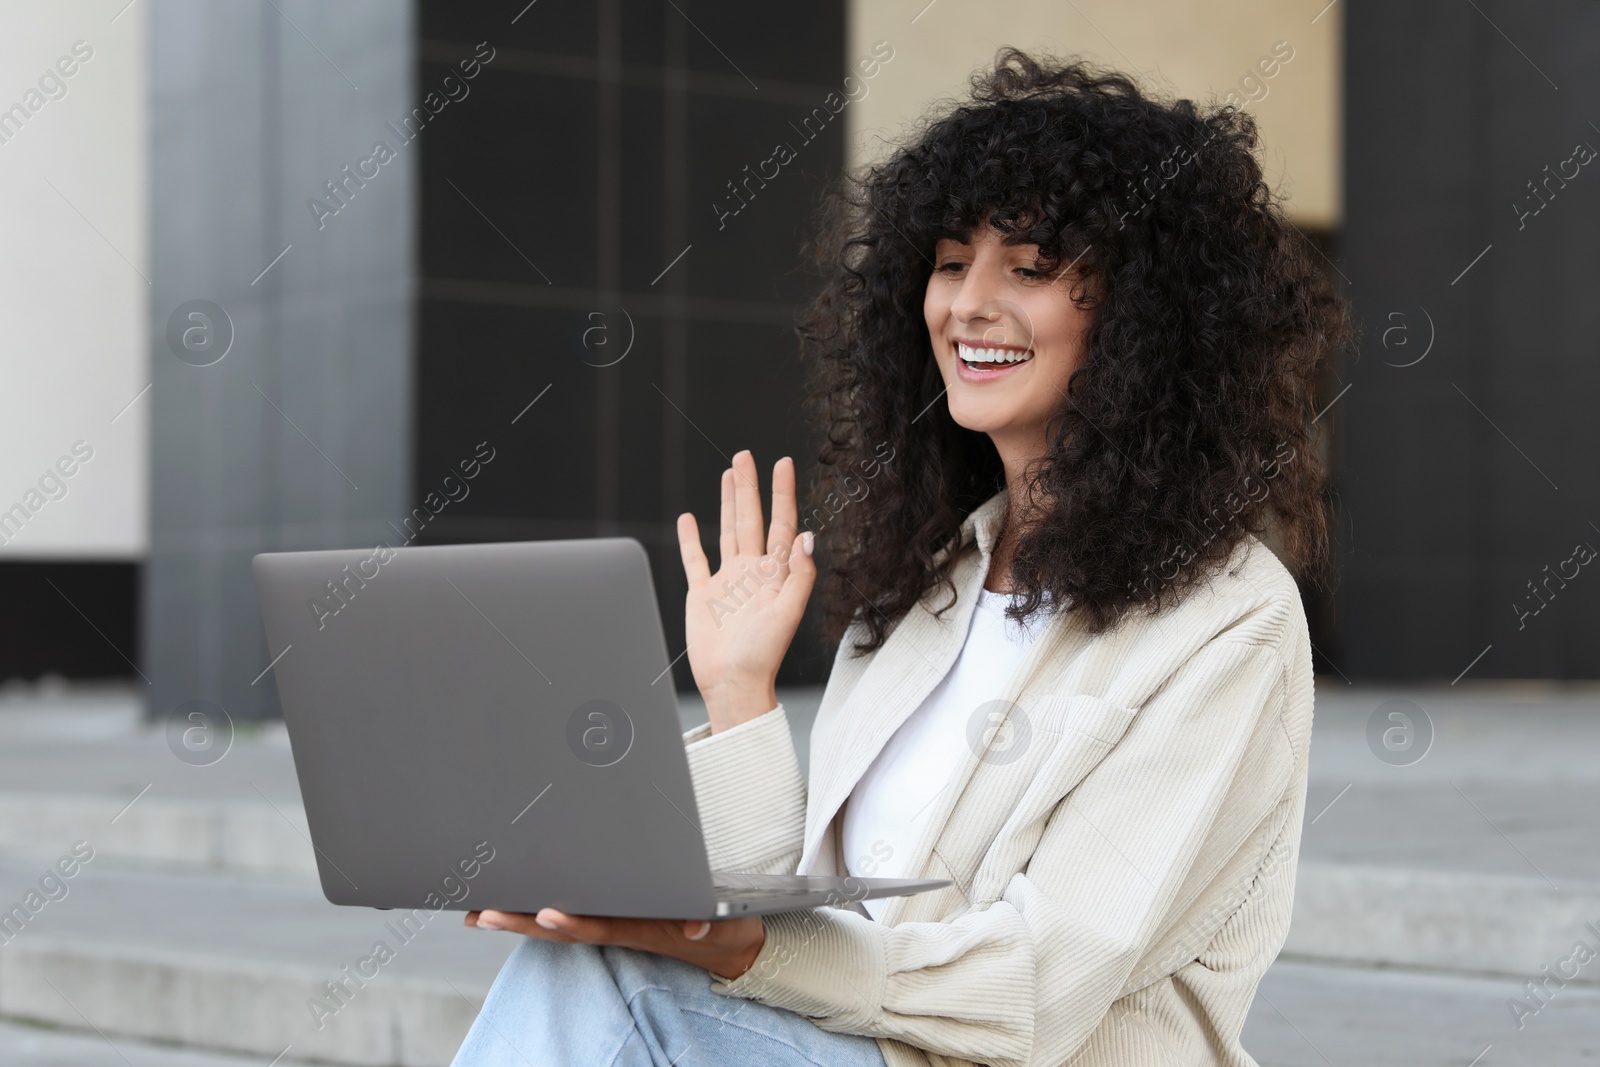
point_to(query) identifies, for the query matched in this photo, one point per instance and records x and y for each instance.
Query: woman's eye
(952, 265)
(1028, 272)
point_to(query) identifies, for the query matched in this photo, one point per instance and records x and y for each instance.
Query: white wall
(74, 293)
(1198, 51)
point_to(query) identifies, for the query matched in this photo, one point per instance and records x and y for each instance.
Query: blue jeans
(605, 1006)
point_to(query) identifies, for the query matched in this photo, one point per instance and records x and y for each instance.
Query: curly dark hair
(1188, 423)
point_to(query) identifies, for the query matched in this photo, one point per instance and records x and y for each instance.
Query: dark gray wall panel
(596, 143)
(1463, 476)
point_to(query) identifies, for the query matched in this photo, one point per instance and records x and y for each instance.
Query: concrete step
(240, 964)
(1318, 1015)
(91, 770)
(200, 923)
(1540, 830)
(1301, 1018)
(196, 833)
(255, 954)
(1444, 920)
(23, 1045)
(1508, 785)
(1427, 915)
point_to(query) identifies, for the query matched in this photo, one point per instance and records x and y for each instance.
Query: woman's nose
(974, 301)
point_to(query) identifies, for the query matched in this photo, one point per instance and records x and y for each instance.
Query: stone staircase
(197, 934)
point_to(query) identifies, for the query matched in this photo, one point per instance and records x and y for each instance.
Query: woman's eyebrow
(1019, 240)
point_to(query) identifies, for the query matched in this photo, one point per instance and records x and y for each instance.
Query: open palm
(740, 621)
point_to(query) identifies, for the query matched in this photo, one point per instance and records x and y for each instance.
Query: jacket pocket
(1090, 717)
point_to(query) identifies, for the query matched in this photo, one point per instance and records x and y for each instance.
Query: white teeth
(991, 355)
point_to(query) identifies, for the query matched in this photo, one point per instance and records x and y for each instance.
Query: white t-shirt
(890, 806)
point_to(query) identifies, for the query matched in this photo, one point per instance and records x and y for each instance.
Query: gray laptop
(495, 726)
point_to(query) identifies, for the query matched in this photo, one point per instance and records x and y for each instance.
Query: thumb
(802, 573)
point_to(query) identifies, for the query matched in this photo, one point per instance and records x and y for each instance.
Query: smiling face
(1006, 335)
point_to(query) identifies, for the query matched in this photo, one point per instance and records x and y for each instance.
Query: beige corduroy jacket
(1119, 887)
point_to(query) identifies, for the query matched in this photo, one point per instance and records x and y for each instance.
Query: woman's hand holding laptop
(727, 947)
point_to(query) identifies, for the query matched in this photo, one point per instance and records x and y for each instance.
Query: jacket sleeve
(1023, 980)
(750, 793)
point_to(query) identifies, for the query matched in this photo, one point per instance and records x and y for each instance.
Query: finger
(695, 566)
(802, 575)
(588, 928)
(785, 508)
(519, 923)
(600, 930)
(696, 931)
(747, 494)
(728, 545)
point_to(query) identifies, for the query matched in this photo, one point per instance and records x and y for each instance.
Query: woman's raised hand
(739, 621)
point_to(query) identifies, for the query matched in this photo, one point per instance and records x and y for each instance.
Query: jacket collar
(983, 526)
(916, 656)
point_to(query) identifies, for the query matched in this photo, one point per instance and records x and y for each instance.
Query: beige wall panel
(1193, 50)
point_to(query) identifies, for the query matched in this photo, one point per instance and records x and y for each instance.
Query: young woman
(1065, 362)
